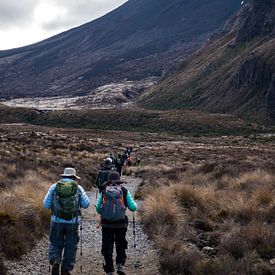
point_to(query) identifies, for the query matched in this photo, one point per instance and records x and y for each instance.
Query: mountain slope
(139, 39)
(233, 73)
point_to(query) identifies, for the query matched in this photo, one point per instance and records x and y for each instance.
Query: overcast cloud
(24, 22)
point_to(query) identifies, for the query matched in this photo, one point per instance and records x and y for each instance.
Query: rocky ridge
(233, 73)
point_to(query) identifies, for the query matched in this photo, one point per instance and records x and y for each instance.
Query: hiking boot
(120, 269)
(55, 267)
(65, 271)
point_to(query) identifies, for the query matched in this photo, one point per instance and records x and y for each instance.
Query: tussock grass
(23, 218)
(222, 203)
(160, 211)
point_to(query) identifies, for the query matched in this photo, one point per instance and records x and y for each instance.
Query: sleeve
(99, 202)
(84, 200)
(48, 198)
(131, 204)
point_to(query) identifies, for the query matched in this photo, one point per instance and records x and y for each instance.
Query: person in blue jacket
(65, 199)
(114, 230)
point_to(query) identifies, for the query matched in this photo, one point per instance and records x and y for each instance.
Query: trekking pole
(81, 251)
(96, 199)
(135, 245)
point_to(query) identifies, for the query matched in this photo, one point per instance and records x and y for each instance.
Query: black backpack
(102, 178)
(118, 162)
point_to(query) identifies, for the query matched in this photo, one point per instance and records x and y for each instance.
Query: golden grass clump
(255, 180)
(161, 210)
(230, 216)
(22, 217)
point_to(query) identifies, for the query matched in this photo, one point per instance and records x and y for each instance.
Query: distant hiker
(124, 157)
(65, 198)
(119, 163)
(112, 157)
(103, 174)
(129, 151)
(129, 161)
(138, 165)
(111, 205)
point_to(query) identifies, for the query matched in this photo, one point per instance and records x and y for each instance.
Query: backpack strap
(125, 191)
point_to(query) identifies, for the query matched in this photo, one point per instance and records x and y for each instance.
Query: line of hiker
(117, 164)
(65, 200)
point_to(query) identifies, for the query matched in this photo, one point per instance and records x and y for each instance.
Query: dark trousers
(109, 237)
(118, 169)
(63, 236)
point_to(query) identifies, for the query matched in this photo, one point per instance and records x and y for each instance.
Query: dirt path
(36, 261)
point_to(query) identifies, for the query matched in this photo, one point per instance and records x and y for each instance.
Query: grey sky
(27, 21)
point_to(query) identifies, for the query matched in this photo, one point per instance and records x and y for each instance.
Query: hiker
(114, 222)
(65, 198)
(129, 151)
(119, 163)
(112, 157)
(102, 176)
(138, 165)
(124, 157)
(129, 161)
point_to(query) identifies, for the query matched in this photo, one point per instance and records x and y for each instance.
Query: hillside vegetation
(233, 73)
(175, 122)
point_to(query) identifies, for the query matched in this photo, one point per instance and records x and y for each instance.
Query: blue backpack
(113, 205)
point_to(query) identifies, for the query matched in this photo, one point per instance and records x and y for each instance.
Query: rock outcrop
(233, 73)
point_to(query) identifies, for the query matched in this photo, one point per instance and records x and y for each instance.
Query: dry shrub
(263, 197)
(234, 244)
(245, 213)
(188, 197)
(226, 208)
(219, 169)
(270, 214)
(260, 237)
(199, 179)
(23, 218)
(161, 210)
(254, 180)
(228, 265)
(224, 183)
(177, 257)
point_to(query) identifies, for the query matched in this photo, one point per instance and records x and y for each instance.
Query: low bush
(23, 219)
(222, 225)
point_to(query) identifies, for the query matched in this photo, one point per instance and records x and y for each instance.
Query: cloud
(24, 22)
(14, 12)
(71, 13)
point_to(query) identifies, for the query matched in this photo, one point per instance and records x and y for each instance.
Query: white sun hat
(69, 172)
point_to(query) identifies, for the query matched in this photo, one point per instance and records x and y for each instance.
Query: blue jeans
(63, 236)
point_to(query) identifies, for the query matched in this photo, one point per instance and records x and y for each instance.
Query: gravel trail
(146, 261)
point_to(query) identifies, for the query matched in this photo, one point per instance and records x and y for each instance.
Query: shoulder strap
(125, 191)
